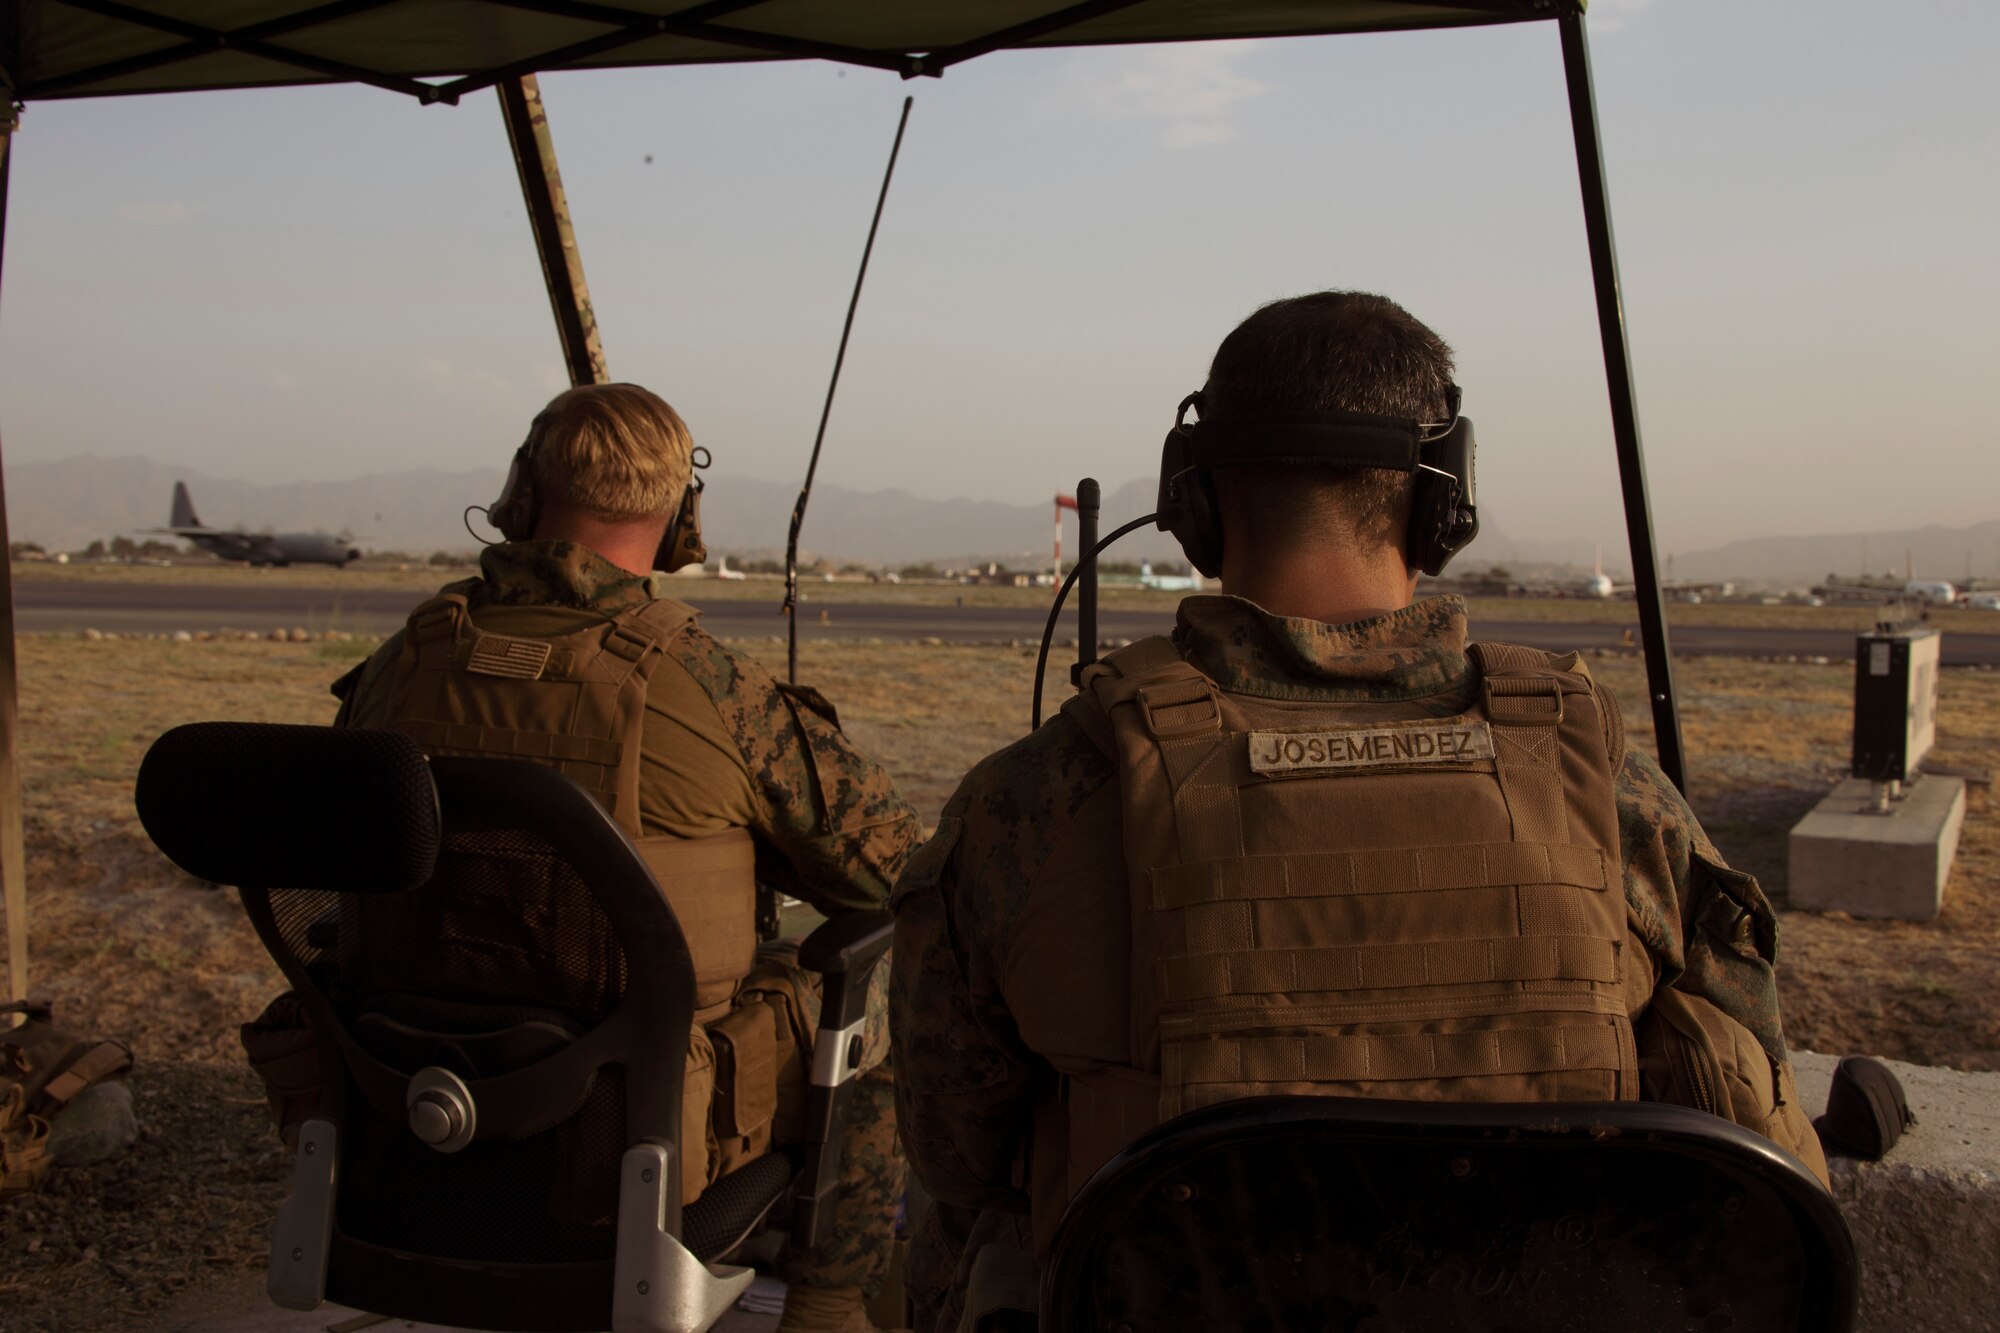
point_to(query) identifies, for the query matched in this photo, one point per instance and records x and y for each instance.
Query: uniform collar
(557, 573)
(1416, 651)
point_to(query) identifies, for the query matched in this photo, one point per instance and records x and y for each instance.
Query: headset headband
(1354, 439)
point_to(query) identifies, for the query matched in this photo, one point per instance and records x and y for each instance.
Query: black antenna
(1049, 630)
(812, 466)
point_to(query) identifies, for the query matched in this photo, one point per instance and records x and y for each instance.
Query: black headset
(519, 507)
(1444, 517)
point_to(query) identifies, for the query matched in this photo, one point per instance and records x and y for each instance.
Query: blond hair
(615, 450)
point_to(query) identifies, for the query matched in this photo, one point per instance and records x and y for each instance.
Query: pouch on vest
(1693, 1054)
(746, 1085)
(282, 1051)
(785, 993)
(790, 996)
(697, 1091)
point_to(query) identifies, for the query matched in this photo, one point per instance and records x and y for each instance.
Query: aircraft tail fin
(183, 508)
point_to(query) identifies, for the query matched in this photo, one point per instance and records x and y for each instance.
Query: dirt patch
(130, 948)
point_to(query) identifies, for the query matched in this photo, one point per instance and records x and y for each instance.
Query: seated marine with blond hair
(565, 651)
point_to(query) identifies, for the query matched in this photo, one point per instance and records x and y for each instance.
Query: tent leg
(555, 239)
(13, 848)
(1624, 398)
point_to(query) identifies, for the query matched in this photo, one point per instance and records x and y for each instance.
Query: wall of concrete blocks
(1926, 1219)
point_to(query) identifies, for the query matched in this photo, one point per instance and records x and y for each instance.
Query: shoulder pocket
(927, 864)
(1693, 1054)
(1732, 949)
(812, 699)
(855, 792)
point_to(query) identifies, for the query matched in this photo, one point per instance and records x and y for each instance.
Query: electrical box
(1895, 702)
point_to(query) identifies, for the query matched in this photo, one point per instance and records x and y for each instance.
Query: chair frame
(652, 1283)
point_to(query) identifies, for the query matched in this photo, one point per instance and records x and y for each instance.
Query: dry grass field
(129, 948)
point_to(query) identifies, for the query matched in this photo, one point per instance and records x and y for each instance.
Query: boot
(824, 1310)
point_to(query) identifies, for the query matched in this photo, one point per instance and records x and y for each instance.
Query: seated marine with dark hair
(1314, 842)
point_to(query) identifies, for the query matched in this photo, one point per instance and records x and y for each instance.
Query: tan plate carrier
(1463, 943)
(576, 702)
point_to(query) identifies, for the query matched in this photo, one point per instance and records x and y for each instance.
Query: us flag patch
(499, 655)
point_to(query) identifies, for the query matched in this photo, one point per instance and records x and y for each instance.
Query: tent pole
(1624, 398)
(13, 847)
(555, 239)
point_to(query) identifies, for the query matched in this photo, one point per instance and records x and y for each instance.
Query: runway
(62, 606)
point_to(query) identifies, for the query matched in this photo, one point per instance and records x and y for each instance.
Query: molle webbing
(1493, 1051)
(712, 884)
(1391, 899)
(1375, 967)
(1386, 870)
(575, 702)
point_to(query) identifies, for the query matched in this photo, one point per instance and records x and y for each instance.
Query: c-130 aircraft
(259, 548)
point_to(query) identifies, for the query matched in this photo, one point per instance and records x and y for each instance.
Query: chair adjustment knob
(441, 1109)
(433, 1119)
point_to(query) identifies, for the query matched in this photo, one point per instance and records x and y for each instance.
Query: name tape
(1451, 741)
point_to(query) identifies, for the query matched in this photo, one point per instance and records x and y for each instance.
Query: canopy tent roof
(438, 50)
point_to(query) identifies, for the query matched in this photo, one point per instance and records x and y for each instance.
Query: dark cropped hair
(1347, 351)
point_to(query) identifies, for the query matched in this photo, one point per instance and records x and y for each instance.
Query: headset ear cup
(515, 512)
(1204, 543)
(1442, 523)
(682, 544)
(1187, 507)
(1432, 503)
(1444, 514)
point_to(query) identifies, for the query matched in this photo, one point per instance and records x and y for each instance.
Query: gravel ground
(187, 1206)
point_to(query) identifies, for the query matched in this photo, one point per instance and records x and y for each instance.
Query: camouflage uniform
(1031, 841)
(727, 746)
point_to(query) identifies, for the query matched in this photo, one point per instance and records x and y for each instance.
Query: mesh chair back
(1294, 1213)
(450, 975)
(494, 924)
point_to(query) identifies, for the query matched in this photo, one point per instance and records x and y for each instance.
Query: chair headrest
(284, 807)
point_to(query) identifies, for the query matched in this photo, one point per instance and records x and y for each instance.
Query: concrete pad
(1845, 858)
(1926, 1218)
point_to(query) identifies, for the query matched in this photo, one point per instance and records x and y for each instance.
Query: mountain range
(64, 504)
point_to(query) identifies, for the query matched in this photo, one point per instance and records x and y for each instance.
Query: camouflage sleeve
(1709, 929)
(833, 815)
(964, 1075)
(961, 1072)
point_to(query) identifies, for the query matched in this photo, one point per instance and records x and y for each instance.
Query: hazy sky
(318, 283)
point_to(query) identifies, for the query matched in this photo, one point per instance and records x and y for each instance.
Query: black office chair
(1288, 1214)
(494, 1161)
